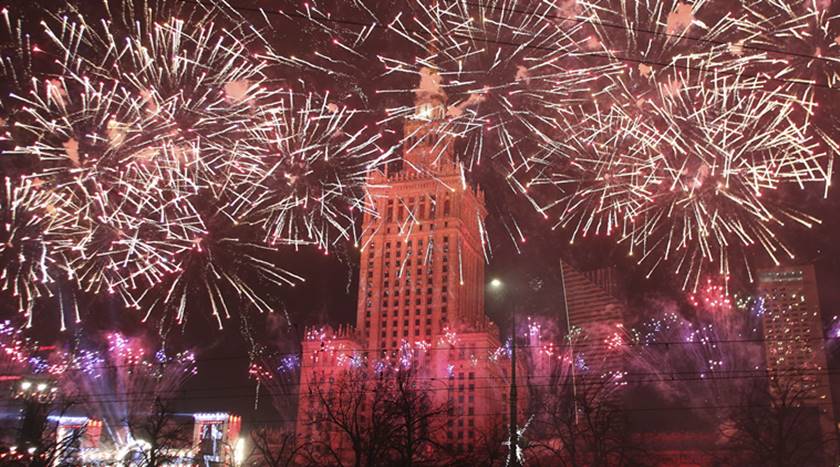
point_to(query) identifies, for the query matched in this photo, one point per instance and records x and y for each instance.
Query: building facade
(421, 290)
(596, 313)
(794, 341)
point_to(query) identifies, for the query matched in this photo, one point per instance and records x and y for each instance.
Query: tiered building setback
(422, 283)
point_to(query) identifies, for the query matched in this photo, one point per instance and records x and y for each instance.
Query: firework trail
(25, 254)
(305, 171)
(170, 168)
(272, 370)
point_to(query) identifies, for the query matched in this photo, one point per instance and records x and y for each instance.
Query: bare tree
(167, 439)
(776, 423)
(59, 448)
(417, 419)
(53, 446)
(582, 425)
(489, 449)
(352, 411)
(277, 448)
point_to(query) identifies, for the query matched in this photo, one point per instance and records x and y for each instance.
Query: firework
(679, 155)
(602, 178)
(121, 382)
(795, 42)
(713, 297)
(119, 139)
(647, 118)
(305, 170)
(701, 174)
(15, 351)
(726, 158)
(25, 254)
(799, 43)
(172, 167)
(509, 73)
(700, 361)
(337, 49)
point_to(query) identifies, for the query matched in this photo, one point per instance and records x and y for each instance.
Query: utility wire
(529, 45)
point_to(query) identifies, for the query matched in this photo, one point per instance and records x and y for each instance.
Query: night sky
(329, 292)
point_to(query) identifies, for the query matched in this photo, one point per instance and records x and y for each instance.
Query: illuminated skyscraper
(421, 291)
(592, 308)
(422, 261)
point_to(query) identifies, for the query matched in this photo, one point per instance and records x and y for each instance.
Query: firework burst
(509, 72)
(700, 361)
(15, 351)
(799, 43)
(121, 382)
(306, 170)
(25, 253)
(174, 168)
(727, 150)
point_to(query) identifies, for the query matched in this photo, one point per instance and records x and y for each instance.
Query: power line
(377, 25)
(627, 27)
(584, 381)
(615, 408)
(450, 348)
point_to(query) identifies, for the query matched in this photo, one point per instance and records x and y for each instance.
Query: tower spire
(427, 144)
(430, 97)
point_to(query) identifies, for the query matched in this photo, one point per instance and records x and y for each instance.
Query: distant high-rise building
(421, 290)
(793, 335)
(592, 309)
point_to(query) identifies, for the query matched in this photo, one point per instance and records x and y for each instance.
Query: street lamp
(36, 396)
(513, 458)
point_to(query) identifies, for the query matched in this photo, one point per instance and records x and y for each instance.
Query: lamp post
(36, 396)
(513, 440)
